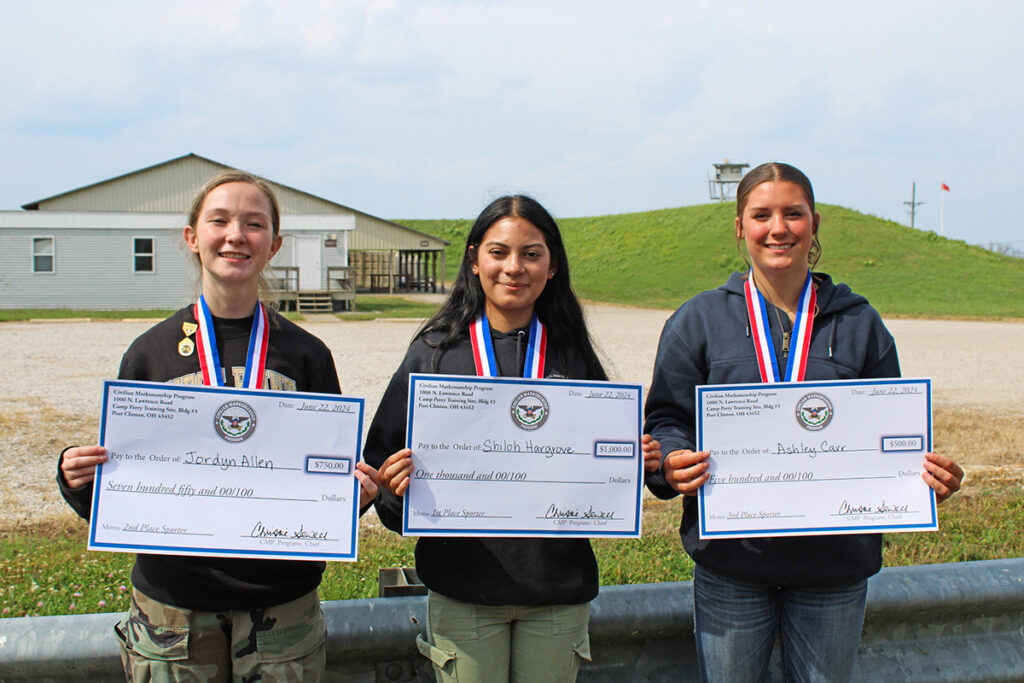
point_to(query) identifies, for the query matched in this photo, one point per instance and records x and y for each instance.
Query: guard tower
(727, 176)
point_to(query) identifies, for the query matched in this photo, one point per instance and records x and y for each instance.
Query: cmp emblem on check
(530, 410)
(235, 421)
(814, 411)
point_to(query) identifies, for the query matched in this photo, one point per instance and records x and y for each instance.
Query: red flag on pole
(945, 187)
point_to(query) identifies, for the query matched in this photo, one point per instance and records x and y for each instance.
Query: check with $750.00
(195, 470)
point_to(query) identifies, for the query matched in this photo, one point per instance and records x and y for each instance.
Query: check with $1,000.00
(523, 457)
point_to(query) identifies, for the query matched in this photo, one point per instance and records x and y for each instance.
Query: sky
(431, 108)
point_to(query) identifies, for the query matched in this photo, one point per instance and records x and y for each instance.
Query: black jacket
(706, 341)
(483, 571)
(296, 361)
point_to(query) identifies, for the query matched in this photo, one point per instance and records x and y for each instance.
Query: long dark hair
(557, 306)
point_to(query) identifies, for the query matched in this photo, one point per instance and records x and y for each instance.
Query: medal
(209, 358)
(483, 350)
(757, 314)
(186, 346)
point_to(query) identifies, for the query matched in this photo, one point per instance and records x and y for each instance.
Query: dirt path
(52, 384)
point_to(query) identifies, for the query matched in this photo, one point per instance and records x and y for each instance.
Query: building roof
(129, 192)
(131, 220)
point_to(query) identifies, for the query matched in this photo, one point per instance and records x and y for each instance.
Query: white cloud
(413, 108)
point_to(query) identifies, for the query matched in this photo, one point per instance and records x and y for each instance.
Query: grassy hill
(661, 258)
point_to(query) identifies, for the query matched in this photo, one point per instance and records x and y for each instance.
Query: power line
(913, 203)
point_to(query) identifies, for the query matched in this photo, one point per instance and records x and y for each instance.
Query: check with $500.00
(810, 458)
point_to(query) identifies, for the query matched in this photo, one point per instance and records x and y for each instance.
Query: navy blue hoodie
(707, 341)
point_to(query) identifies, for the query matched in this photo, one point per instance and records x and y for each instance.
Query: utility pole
(913, 203)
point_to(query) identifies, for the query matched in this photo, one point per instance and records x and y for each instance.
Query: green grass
(47, 571)
(369, 307)
(18, 314)
(52, 573)
(661, 258)
(366, 308)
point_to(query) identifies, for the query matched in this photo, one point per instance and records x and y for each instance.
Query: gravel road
(51, 395)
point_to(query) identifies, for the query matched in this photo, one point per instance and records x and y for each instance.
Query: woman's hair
(557, 306)
(777, 172)
(234, 175)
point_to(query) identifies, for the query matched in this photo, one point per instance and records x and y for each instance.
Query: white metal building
(117, 244)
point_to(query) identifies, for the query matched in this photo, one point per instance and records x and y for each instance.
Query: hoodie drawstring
(832, 336)
(519, 351)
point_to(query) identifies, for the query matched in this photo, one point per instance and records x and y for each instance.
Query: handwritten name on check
(514, 457)
(811, 458)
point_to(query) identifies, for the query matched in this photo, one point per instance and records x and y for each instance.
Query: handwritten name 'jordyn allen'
(808, 449)
(224, 463)
(263, 531)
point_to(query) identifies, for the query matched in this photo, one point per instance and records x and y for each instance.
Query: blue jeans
(736, 624)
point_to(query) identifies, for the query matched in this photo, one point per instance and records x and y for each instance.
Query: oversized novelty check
(811, 458)
(196, 470)
(513, 457)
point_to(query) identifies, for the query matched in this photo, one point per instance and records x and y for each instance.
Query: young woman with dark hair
(499, 609)
(216, 618)
(808, 590)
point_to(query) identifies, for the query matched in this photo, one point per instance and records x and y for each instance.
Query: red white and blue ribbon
(757, 313)
(483, 349)
(209, 358)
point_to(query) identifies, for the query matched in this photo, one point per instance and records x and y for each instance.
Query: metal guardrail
(952, 622)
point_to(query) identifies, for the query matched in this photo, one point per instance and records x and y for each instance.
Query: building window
(143, 254)
(42, 254)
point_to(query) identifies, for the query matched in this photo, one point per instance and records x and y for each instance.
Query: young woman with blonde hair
(215, 618)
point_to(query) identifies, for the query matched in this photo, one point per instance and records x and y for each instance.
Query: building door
(307, 258)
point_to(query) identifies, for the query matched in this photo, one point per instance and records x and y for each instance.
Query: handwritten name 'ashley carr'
(808, 449)
(527, 446)
(261, 530)
(226, 463)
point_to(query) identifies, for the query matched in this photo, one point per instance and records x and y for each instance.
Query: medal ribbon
(209, 358)
(483, 349)
(757, 313)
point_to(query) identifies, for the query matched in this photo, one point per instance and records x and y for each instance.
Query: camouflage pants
(282, 643)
